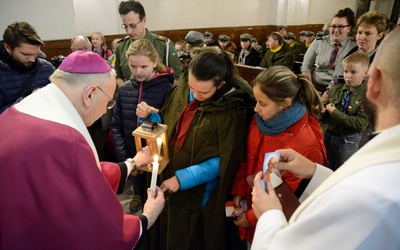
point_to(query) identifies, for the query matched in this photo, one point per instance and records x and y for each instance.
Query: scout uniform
(164, 47)
(317, 58)
(355, 120)
(282, 56)
(345, 124)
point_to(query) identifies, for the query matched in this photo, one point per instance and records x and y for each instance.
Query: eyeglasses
(111, 102)
(132, 25)
(339, 27)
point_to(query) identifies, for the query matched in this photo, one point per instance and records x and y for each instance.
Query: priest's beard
(370, 111)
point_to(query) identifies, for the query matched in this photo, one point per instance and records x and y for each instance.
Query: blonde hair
(144, 47)
(279, 83)
(358, 57)
(114, 43)
(101, 37)
(373, 19)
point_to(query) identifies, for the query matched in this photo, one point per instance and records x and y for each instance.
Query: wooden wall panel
(62, 47)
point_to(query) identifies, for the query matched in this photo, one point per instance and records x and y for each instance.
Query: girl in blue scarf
(286, 116)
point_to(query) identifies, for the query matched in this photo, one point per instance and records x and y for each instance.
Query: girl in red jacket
(286, 117)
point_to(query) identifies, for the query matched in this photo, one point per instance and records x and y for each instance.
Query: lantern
(155, 135)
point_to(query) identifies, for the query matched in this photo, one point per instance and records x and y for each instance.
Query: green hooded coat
(219, 128)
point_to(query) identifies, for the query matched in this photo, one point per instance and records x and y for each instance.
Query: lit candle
(154, 174)
(159, 142)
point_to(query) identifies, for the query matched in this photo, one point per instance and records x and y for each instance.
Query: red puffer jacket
(304, 136)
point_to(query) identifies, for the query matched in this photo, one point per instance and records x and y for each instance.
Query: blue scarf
(282, 120)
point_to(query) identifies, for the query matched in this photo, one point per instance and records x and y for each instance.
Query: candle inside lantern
(159, 142)
(154, 174)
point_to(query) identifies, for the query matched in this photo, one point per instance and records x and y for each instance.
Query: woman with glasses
(150, 82)
(371, 28)
(325, 53)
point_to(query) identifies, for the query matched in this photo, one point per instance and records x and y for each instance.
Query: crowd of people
(57, 121)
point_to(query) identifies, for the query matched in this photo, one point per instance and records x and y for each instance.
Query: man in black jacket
(21, 71)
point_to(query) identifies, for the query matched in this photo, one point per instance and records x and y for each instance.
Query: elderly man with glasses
(134, 20)
(69, 199)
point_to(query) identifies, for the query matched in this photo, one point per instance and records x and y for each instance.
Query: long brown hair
(279, 83)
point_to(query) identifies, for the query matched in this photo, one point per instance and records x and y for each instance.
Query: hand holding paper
(269, 173)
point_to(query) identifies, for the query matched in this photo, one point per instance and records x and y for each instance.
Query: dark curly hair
(348, 14)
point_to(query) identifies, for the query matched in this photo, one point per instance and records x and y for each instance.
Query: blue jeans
(340, 148)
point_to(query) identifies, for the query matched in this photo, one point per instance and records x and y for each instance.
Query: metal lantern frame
(149, 132)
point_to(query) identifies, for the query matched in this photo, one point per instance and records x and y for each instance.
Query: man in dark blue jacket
(21, 71)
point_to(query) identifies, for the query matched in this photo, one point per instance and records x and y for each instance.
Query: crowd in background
(311, 97)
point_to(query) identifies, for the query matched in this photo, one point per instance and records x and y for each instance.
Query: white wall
(53, 19)
(297, 12)
(183, 14)
(63, 19)
(323, 11)
(385, 6)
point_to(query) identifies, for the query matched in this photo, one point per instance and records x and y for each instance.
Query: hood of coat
(239, 94)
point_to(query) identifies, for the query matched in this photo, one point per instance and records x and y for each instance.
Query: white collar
(51, 104)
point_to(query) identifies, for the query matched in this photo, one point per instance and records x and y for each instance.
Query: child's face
(96, 41)
(178, 47)
(141, 67)
(265, 107)
(354, 74)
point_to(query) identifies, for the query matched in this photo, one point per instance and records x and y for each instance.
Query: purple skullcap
(84, 62)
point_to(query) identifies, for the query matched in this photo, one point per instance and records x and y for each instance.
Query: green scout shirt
(355, 120)
(294, 47)
(283, 57)
(159, 42)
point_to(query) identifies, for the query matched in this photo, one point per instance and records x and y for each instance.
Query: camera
(57, 60)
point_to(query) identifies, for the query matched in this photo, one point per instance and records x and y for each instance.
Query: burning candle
(154, 174)
(159, 143)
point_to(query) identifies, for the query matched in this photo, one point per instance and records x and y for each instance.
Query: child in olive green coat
(344, 115)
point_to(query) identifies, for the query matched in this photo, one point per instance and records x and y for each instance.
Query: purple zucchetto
(84, 62)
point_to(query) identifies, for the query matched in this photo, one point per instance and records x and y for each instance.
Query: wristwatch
(133, 164)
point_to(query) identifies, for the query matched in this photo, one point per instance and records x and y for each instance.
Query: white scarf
(51, 104)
